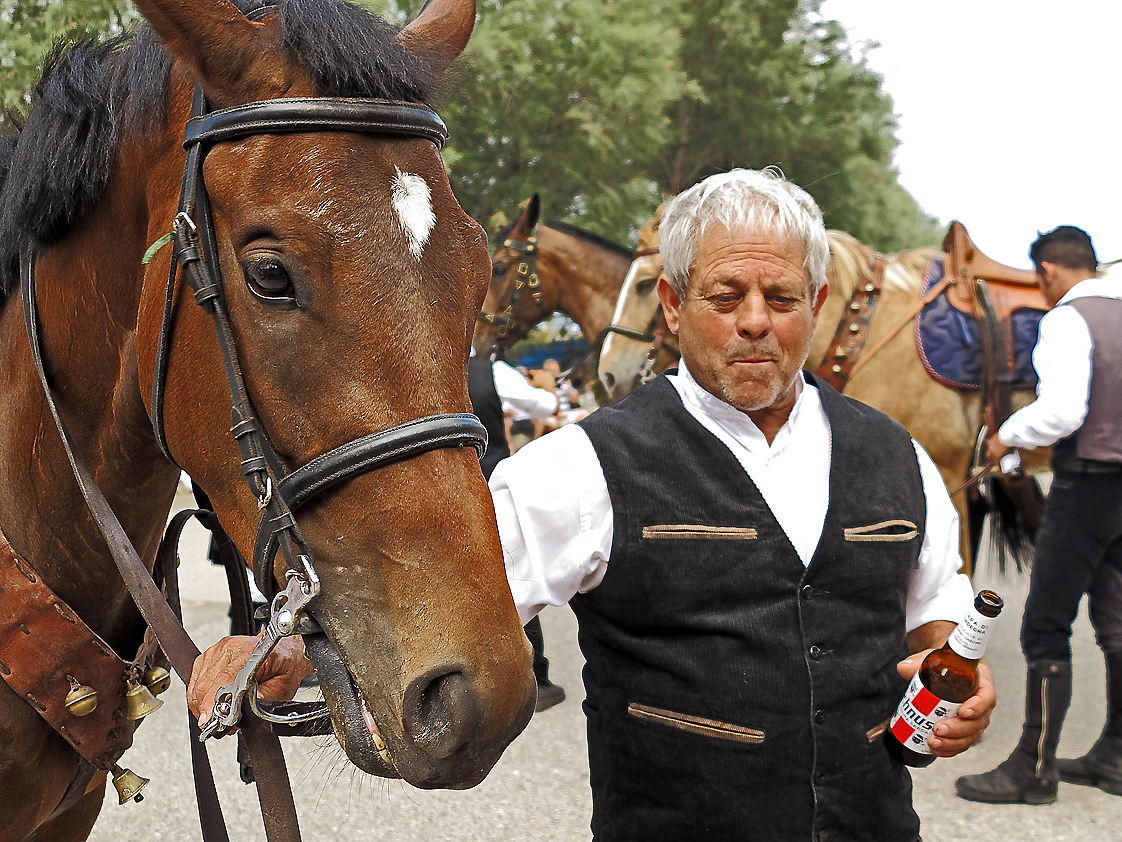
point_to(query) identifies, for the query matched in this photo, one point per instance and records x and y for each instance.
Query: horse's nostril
(440, 713)
(609, 379)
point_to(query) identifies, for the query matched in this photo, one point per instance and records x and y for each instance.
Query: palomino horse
(943, 420)
(537, 270)
(334, 233)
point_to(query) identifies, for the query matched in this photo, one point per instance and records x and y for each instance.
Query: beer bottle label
(969, 637)
(918, 713)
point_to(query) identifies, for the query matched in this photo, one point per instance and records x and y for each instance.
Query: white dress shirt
(556, 523)
(1062, 359)
(518, 393)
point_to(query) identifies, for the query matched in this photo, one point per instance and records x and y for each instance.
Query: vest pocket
(696, 724)
(694, 530)
(886, 530)
(874, 732)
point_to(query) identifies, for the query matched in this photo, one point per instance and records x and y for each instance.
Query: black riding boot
(1102, 765)
(1029, 775)
(549, 694)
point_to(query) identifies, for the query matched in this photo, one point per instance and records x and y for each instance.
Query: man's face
(745, 325)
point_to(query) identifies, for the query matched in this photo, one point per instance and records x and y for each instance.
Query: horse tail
(1015, 507)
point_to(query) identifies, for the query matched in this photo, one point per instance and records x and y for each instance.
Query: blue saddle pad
(950, 342)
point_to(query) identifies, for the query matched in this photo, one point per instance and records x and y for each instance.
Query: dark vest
(488, 406)
(734, 694)
(1100, 437)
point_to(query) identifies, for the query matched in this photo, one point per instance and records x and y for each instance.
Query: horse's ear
(528, 218)
(440, 32)
(229, 52)
(533, 212)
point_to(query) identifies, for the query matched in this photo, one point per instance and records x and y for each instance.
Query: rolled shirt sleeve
(1062, 359)
(937, 590)
(555, 519)
(517, 391)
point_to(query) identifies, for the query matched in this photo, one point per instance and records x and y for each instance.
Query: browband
(318, 114)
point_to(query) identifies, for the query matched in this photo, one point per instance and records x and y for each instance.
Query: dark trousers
(1078, 550)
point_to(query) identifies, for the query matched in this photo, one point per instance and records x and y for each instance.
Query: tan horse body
(944, 421)
(414, 594)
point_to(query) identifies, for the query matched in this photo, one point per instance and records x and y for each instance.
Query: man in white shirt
(748, 553)
(1078, 411)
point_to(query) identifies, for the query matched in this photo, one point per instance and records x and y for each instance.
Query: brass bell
(82, 699)
(128, 784)
(139, 701)
(157, 680)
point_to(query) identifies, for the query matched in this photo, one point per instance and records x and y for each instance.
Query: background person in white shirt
(492, 386)
(1078, 411)
(749, 555)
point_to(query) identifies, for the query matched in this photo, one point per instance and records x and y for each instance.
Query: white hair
(743, 201)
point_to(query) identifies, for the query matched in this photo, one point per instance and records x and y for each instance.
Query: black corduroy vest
(734, 694)
(1100, 436)
(488, 407)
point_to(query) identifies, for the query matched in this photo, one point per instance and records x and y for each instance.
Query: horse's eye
(268, 279)
(498, 271)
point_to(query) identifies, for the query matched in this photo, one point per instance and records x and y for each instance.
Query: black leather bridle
(525, 280)
(278, 489)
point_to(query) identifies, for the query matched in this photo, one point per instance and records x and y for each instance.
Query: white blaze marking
(412, 200)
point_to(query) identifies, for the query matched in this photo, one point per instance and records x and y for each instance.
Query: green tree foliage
(29, 28)
(605, 107)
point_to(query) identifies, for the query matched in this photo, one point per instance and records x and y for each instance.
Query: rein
(278, 489)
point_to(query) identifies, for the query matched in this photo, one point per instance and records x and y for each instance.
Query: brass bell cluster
(140, 698)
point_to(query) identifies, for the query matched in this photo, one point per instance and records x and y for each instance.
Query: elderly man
(748, 554)
(751, 557)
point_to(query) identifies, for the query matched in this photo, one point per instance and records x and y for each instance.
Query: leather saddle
(1011, 289)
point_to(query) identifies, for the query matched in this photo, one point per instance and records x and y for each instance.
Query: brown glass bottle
(946, 679)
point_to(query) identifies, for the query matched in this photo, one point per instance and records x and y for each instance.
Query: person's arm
(938, 597)
(515, 390)
(1062, 359)
(555, 520)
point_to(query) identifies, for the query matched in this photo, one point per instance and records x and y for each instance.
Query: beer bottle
(946, 679)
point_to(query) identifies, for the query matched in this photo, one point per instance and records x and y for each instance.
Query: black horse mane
(91, 94)
(589, 237)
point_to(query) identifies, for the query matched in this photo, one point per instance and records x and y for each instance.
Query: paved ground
(539, 790)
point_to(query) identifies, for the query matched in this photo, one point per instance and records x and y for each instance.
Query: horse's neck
(580, 280)
(88, 292)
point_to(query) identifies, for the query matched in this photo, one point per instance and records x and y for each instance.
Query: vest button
(807, 592)
(819, 716)
(820, 779)
(815, 652)
(823, 835)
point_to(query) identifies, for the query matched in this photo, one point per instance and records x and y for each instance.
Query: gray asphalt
(539, 790)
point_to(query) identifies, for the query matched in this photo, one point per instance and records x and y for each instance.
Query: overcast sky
(1010, 112)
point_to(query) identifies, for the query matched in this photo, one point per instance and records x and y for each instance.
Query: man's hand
(995, 449)
(955, 735)
(278, 678)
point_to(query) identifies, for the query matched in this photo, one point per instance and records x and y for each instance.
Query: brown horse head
(513, 263)
(541, 269)
(352, 278)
